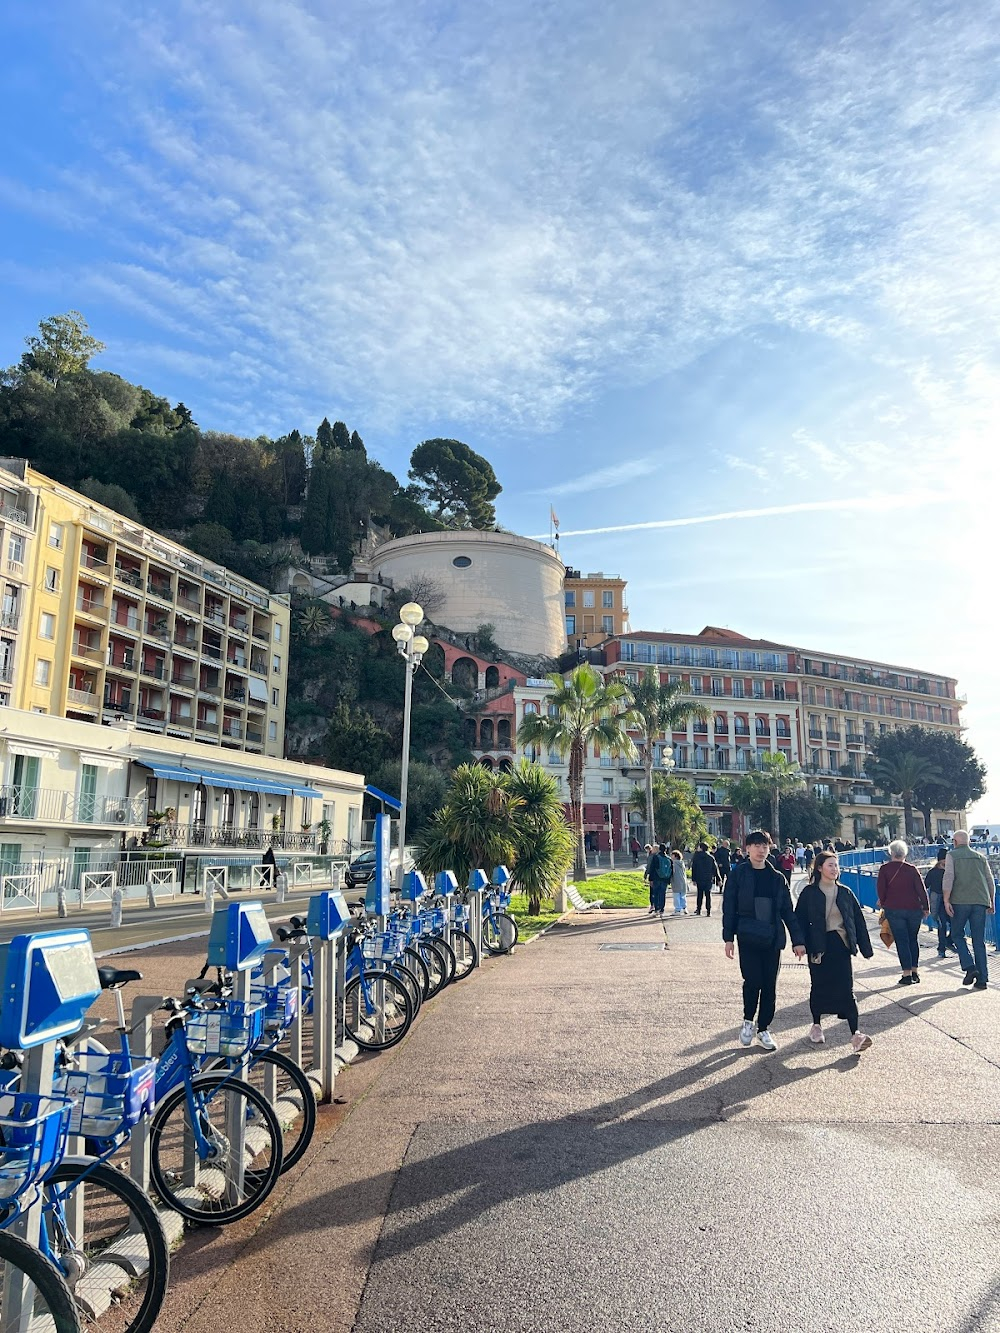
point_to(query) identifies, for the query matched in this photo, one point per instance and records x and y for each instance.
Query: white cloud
(617, 474)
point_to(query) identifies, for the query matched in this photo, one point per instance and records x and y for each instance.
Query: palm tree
(679, 818)
(313, 620)
(899, 775)
(743, 793)
(583, 710)
(780, 775)
(660, 708)
(543, 845)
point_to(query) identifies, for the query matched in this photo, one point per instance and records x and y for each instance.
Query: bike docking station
(49, 982)
(478, 884)
(326, 921)
(239, 937)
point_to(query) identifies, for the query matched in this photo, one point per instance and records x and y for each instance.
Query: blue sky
(653, 263)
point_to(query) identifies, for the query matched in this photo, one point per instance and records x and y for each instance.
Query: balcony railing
(184, 682)
(127, 623)
(197, 835)
(9, 619)
(118, 703)
(94, 562)
(111, 810)
(203, 724)
(41, 803)
(263, 635)
(186, 640)
(161, 590)
(233, 729)
(153, 714)
(83, 699)
(236, 696)
(180, 720)
(16, 568)
(239, 627)
(14, 515)
(7, 674)
(86, 651)
(190, 603)
(90, 606)
(210, 650)
(132, 577)
(157, 632)
(154, 670)
(215, 617)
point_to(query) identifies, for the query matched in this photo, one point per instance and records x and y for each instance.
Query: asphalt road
(573, 1140)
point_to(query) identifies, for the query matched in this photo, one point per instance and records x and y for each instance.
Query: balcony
(84, 699)
(132, 577)
(88, 652)
(207, 691)
(264, 635)
(212, 651)
(215, 616)
(181, 720)
(15, 568)
(153, 714)
(90, 606)
(232, 728)
(158, 630)
(236, 696)
(240, 663)
(203, 724)
(99, 564)
(189, 602)
(7, 674)
(854, 738)
(258, 665)
(10, 619)
(154, 670)
(40, 803)
(254, 736)
(198, 835)
(163, 591)
(14, 515)
(239, 627)
(833, 736)
(182, 681)
(111, 810)
(118, 703)
(186, 641)
(815, 734)
(128, 624)
(123, 662)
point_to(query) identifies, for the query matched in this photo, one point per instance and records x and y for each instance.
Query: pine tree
(324, 437)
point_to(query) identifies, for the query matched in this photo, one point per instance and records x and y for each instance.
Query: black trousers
(760, 982)
(705, 892)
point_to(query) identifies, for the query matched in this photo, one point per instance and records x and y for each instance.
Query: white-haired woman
(902, 895)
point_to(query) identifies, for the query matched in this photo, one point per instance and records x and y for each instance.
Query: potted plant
(325, 829)
(276, 821)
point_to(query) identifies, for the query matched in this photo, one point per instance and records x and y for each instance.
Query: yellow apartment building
(595, 608)
(105, 621)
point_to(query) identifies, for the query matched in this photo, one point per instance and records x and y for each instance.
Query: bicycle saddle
(199, 985)
(113, 977)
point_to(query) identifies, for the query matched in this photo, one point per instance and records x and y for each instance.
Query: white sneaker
(746, 1033)
(767, 1041)
(816, 1035)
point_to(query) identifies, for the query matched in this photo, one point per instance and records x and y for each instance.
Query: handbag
(885, 931)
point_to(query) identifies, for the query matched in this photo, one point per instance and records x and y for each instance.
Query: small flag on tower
(553, 518)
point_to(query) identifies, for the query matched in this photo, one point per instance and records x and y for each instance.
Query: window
(56, 536)
(571, 624)
(608, 624)
(51, 579)
(277, 632)
(42, 671)
(275, 696)
(608, 598)
(276, 662)
(588, 597)
(46, 625)
(461, 562)
(15, 550)
(607, 786)
(571, 599)
(737, 689)
(253, 810)
(228, 808)
(87, 806)
(554, 757)
(199, 805)
(530, 707)
(272, 731)
(696, 685)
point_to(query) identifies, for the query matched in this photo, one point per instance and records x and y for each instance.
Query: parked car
(361, 871)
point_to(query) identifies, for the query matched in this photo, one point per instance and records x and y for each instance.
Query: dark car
(361, 871)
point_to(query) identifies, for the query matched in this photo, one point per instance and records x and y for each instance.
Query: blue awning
(384, 797)
(239, 781)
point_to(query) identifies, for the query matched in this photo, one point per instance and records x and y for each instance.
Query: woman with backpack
(835, 931)
(658, 873)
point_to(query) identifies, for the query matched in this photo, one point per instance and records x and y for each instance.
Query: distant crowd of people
(826, 923)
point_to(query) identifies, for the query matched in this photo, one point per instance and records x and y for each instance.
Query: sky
(737, 262)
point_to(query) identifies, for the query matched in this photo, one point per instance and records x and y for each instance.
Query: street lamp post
(412, 647)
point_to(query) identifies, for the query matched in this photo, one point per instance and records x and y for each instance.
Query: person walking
(705, 873)
(635, 849)
(934, 884)
(834, 929)
(756, 910)
(647, 874)
(658, 868)
(903, 898)
(678, 883)
(788, 863)
(269, 867)
(724, 860)
(969, 898)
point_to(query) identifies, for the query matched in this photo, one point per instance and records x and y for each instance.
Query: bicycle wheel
(434, 961)
(419, 969)
(377, 1011)
(43, 1290)
(402, 972)
(277, 1077)
(499, 933)
(449, 957)
(463, 946)
(117, 1232)
(206, 1184)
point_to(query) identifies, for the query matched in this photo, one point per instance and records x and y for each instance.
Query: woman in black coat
(835, 929)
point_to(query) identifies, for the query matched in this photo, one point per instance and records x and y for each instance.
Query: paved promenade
(573, 1140)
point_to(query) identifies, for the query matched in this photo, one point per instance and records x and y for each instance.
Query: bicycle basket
(281, 1006)
(378, 948)
(33, 1130)
(231, 1029)
(111, 1093)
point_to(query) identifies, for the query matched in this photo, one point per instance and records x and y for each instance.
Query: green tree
(355, 742)
(678, 818)
(458, 484)
(341, 436)
(806, 817)
(780, 776)
(312, 533)
(660, 709)
(324, 437)
(899, 770)
(112, 497)
(960, 776)
(747, 797)
(356, 444)
(543, 845)
(62, 346)
(584, 710)
(427, 790)
(313, 620)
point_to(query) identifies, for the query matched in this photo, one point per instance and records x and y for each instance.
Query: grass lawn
(531, 925)
(618, 888)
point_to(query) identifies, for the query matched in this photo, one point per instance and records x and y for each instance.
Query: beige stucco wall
(513, 583)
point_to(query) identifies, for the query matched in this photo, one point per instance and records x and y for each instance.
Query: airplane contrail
(882, 501)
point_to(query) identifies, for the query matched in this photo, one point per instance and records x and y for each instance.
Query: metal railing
(83, 699)
(197, 835)
(9, 619)
(14, 515)
(46, 805)
(132, 577)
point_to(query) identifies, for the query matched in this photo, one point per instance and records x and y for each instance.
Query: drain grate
(650, 947)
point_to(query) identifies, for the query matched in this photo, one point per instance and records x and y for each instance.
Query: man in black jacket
(723, 860)
(705, 873)
(756, 909)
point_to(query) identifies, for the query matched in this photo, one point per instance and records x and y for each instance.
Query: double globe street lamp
(411, 647)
